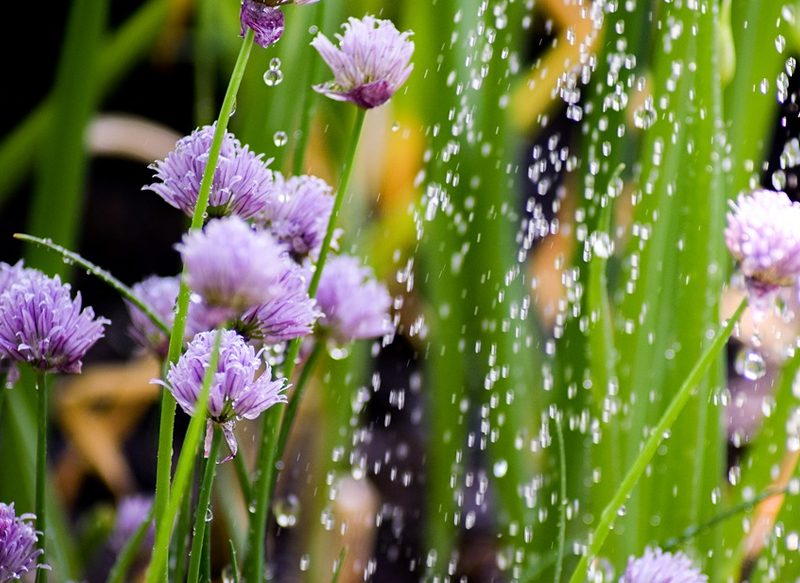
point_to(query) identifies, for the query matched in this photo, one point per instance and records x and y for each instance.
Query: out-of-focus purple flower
(161, 293)
(131, 512)
(297, 213)
(372, 62)
(42, 325)
(656, 566)
(241, 179)
(10, 274)
(18, 552)
(354, 304)
(290, 314)
(237, 391)
(232, 266)
(763, 234)
(265, 18)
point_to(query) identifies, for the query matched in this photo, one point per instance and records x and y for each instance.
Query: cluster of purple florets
(18, 538)
(763, 235)
(249, 269)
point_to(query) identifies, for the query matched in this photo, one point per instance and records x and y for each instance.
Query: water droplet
(286, 511)
(780, 43)
(209, 514)
(750, 364)
(280, 138)
(272, 77)
(337, 351)
(500, 468)
(645, 116)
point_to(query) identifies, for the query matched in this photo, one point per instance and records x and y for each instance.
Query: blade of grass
(58, 197)
(657, 436)
(102, 274)
(119, 53)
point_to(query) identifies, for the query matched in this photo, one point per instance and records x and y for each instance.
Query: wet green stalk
(268, 452)
(562, 500)
(180, 539)
(657, 435)
(102, 274)
(157, 570)
(200, 532)
(41, 472)
(166, 426)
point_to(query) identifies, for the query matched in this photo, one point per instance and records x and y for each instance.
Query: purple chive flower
(290, 314)
(161, 293)
(763, 234)
(237, 391)
(131, 512)
(10, 274)
(232, 266)
(373, 61)
(18, 552)
(241, 179)
(297, 213)
(354, 304)
(265, 18)
(656, 566)
(42, 325)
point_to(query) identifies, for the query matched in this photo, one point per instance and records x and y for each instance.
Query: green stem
(101, 274)
(562, 512)
(267, 454)
(647, 452)
(243, 476)
(129, 552)
(181, 539)
(157, 570)
(294, 402)
(41, 473)
(167, 420)
(234, 562)
(347, 171)
(203, 500)
(339, 564)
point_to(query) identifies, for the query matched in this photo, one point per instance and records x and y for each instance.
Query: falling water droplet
(280, 138)
(286, 511)
(780, 43)
(337, 351)
(750, 364)
(500, 468)
(272, 76)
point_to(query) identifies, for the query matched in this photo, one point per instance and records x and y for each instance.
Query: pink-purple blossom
(266, 19)
(297, 212)
(10, 274)
(372, 62)
(18, 552)
(290, 314)
(41, 324)
(656, 566)
(242, 386)
(763, 234)
(131, 512)
(160, 294)
(354, 304)
(232, 266)
(241, 179)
